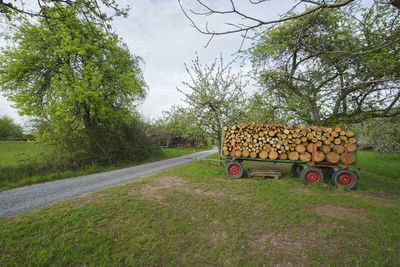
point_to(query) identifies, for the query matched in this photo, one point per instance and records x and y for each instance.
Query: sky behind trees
(157, 31)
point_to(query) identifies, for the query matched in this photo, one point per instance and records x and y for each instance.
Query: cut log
(300, 148)
(273, 155)
(310, 147)
(263, 154)
(259, 140)
(352, 141)
(294, 155)
(339, 149)
(351, 147)
(319, 156)
(350, 133)
(305, 156)
(332, 157)
(326, 149)
(351, 158)
(283, 156)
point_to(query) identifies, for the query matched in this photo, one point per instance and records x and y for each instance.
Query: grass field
(20, 163)
(13, 153)
(194, 215)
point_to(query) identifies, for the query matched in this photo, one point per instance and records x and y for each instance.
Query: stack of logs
(276, 141)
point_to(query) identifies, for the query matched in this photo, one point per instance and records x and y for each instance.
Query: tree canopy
(342, 66)
(95, 12)
(76, 79)
(238, 17)
(215, 95)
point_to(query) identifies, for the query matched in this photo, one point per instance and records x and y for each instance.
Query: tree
(81, 83)
(336, 68)
(90, 10)
(262, 108)
(8, 129)
(183, 122)
(216, 96)
(249, 25)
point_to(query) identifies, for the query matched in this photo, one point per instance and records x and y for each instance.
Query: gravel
(35, 196)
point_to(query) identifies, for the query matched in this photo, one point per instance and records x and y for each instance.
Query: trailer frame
(344, 174)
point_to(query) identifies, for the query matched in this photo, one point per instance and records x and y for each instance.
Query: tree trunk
(219, 150)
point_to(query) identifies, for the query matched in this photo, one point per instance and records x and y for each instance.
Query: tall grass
(381, 164)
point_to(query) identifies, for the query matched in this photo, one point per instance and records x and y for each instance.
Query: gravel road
(31, 197)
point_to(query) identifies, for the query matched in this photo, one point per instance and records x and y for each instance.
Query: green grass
(23, 163)
(13, 152)
(385, 164)
(194, 215)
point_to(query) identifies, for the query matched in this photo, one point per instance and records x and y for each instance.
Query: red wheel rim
(346, 179)
(313, 177)
(234, 170)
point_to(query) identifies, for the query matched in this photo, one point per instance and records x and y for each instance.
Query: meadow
(194, 214)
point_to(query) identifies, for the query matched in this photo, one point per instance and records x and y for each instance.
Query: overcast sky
(157, 31)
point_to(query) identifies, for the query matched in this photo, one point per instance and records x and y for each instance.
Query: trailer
(311, 172)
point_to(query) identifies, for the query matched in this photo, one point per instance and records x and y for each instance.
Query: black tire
(346, 178)
(296, 170)
(312, 175)
(234, 169)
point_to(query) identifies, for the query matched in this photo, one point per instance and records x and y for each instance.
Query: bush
(9, 130)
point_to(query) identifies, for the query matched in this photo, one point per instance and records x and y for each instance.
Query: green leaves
(215, 95)
(334, 65)
(8, 129)
(77, 81)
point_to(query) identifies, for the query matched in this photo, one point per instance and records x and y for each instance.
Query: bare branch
(258, 22)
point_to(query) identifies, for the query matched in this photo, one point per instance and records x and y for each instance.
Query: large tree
(215, 96)
(95, 12)
(80, 82)
(342, 66)
(239, 16)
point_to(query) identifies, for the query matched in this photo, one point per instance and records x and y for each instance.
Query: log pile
(277, 141)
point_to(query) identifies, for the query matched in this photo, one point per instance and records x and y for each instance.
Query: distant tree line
(9, 129)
